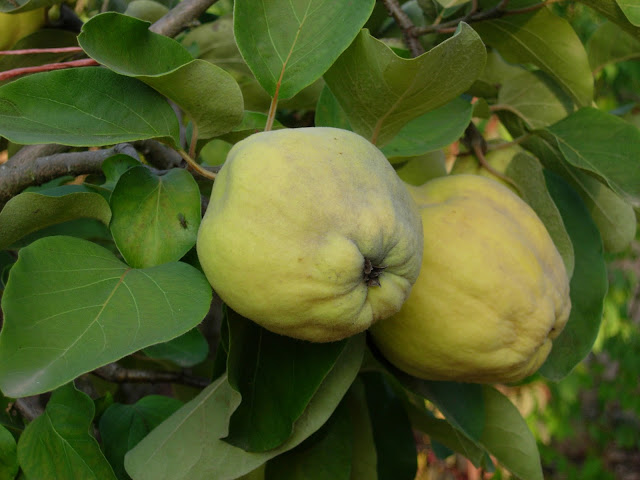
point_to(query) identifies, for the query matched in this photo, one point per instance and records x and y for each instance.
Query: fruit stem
(195, 166)
(272, 109)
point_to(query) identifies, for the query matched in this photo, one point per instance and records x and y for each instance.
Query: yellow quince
(492, 294)
(310, 233)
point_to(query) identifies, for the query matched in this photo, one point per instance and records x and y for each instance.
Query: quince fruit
(14, 26)
(492, 294)
(310, 233)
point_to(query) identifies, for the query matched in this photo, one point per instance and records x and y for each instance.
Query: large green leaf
(8, 455)
(123, 426)
(588, 286)
(71, 306)
(58, 444)
(188, 445)
(609, 44)
(288, 44)
(604, 145)
(547, 41)
(30, 211)
(326, 455)
(392, 434)
(381, 92)
(536, 98)
(155, 218)
(506, 436)
(277, 377)
(108, 108)
(212, 97)
(631, 9)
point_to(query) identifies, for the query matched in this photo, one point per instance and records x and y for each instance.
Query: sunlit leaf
(288, 44)
(545, 40)
(381, 92)
(212, 99)
(631, 9)
(71, 306)
(41, 108)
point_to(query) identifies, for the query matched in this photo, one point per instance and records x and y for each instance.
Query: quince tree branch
(117, 374)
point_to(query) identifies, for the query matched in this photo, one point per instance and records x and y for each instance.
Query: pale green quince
(14, 26)
(310, 233)
(492, 294)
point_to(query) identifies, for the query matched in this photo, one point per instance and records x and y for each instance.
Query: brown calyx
(371, 273)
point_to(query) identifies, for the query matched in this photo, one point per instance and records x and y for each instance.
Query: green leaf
(614, 217)
(546, 41)
(507, 437)
(71, 306)
(608, 44)
(288, 44)
(185, 351)
(113, 168)
(252, 122)
(326, 455)
(123, 426)
(365, 458)
(41, 108)
(57, 444)
(432, 131)
(604, 145)
(536, 98)
(419, 170)
(461, 404)
(441, 431)
(631, 9)
(392, 434)
(155, 218)
(188, 444)
(29, 211)
(381, 92)
(213, 99)
(588, 285)
(277, 377)
(611, 10)
(8, 455)
(329, 113)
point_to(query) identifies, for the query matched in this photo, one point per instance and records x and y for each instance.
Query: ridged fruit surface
(492, 294)
(310, 233)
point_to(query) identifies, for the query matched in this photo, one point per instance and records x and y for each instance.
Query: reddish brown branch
(16, 72)
(406, 25)
(31, 51)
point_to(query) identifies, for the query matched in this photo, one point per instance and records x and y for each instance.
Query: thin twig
(85, 62)
(180, 16)
(29, 407)
(32, 51)
(477, 16)
(406, 25)
(193, 165)
(117, 374)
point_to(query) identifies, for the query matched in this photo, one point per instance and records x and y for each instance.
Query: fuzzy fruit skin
(293, 215)
(14, 26)
(493, 291)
